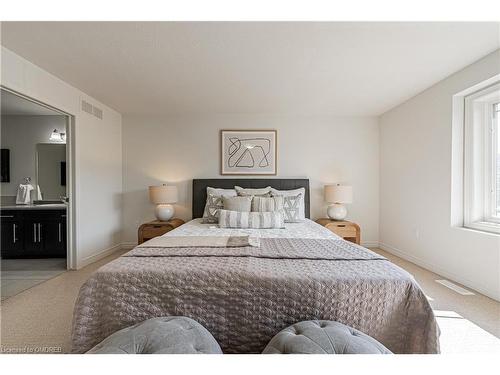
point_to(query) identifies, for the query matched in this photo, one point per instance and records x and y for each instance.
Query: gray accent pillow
(291, 208)
(253, 220)
(242, 204)
(249, 191)
(264, 204)
(214, 203)
(212, 207)
(174, 335)
(293, 193)
(323, 337)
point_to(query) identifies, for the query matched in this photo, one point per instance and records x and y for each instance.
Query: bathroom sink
(38, 203)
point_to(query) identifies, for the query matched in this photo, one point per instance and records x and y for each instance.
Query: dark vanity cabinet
(36, 233)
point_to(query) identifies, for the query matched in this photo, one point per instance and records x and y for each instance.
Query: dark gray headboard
(200, 188)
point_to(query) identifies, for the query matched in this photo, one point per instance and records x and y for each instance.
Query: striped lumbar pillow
(254, 220)
(264, 204)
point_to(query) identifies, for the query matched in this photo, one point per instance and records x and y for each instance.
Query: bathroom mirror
(51, 170)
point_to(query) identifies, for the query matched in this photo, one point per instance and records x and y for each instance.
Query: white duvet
(305, 229)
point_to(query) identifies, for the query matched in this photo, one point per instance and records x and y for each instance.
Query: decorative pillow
(293, 193)
(291, 208)
(212, 207)
(264, 204)
(241, 204)
(254, 220)
(214, 203)
(257, 192)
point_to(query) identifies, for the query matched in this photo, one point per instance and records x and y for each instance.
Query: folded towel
(24, 193)
(38, 193)
(202, 241)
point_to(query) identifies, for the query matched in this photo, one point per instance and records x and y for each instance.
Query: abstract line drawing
(244, 152)
(248, 152)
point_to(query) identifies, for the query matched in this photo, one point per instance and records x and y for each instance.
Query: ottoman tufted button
(175, 334)
(322, 337)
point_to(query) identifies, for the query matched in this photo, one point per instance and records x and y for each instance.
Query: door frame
(71, 258)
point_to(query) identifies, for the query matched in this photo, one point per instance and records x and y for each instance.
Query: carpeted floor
(41, 316)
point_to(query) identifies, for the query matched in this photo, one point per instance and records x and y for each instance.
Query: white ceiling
(14, 105)
(237, 67)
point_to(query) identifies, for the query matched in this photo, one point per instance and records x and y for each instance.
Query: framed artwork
(248, 152)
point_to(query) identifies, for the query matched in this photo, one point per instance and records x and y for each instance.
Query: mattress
(245, 295)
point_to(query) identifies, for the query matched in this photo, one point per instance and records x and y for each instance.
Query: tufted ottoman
(323, 337)
(174, 334)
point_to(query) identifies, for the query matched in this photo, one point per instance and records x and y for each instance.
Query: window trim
(479, 159)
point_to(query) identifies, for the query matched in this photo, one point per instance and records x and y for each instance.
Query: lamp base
(164, 212)
(337, 211)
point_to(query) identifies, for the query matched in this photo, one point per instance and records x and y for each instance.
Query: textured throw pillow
(253, 220)
(254, 192)
(293, 193)
(241, 204)
(212, 207)
(291, 208)
(214, 203)
(264, 204)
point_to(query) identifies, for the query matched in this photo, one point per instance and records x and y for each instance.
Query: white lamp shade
(338, 194)
(163, 194)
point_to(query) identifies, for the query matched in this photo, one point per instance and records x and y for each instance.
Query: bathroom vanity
(33, 231)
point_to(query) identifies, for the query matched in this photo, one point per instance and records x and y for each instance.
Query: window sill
(488, 227)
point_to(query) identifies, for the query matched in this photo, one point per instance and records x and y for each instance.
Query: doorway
(35, 192)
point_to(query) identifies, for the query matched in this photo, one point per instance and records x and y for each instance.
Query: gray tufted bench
(321, 337)
(174, 334)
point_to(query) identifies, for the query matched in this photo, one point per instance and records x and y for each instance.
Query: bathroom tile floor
(18, 275)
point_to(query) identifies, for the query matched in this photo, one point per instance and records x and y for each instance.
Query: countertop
(52, 206)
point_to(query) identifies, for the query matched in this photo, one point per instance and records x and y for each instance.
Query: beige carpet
(41, 316)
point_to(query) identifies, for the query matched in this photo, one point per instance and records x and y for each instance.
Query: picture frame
(248, 152)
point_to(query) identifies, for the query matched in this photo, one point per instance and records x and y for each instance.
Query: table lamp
(163, 196)
(337, 195)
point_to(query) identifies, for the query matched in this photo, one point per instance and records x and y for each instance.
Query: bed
(245, 295)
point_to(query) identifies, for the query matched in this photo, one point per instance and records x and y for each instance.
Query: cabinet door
(32, 241)
(52, 238)
(11, 238)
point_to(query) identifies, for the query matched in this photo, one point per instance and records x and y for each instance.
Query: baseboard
(440, 271)
(369, 243)
(95, 257)
(128, 245)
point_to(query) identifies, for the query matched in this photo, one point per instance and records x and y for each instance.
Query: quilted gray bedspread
(246, 295)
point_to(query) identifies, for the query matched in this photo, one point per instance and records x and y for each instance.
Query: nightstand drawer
(346, 229)
(343, 230)
(152, 231)
(156, 228)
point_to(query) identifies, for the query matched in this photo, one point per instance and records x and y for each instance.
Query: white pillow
(252, 191)
(294, 192)
(221, 192)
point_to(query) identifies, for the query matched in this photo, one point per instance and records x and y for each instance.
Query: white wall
(98, 156)
(415, 186)
(180, 148)
(21, 134)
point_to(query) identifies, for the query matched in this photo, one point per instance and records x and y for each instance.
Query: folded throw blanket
(202, 241)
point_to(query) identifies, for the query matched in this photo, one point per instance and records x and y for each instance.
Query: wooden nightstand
(156, 228)
(346, 229)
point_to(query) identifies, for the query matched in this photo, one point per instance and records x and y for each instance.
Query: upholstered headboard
(200, 188)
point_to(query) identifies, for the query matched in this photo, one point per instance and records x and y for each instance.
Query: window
(482, 159)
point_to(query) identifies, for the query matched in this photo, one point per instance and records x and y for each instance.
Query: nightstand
(346, 229)
(156, 228)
